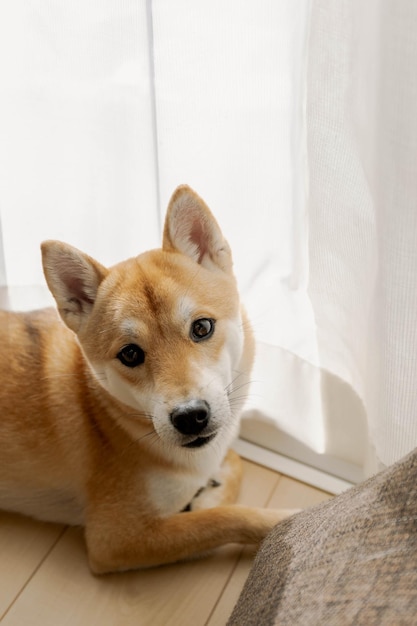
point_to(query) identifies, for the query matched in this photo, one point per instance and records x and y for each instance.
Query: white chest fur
(171, 491)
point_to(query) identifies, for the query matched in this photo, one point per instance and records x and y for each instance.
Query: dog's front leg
(125, 542)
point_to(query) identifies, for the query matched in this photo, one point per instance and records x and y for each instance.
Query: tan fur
(85, 439)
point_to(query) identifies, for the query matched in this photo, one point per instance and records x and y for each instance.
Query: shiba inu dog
(120, 419)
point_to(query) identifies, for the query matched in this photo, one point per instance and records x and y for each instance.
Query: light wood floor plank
(64, 592)
(231, 592)
(258, 485)
(291, 494)
(24, 543)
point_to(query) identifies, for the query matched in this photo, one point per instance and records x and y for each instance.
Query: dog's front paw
(206, 497)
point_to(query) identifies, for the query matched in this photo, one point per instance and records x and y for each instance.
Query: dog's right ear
(73, 279)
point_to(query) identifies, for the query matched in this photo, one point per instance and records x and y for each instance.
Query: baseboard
(291, 468)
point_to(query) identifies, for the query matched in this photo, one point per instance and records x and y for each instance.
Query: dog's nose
(191, 418)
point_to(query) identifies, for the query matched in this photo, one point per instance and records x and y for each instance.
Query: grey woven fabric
(350, 560)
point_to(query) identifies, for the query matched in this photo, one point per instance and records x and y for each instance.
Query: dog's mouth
(199, 442)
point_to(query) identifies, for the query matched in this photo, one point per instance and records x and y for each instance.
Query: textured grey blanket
(350, 560)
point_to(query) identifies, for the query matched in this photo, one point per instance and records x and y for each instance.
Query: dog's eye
(131, 355)
(202, 329)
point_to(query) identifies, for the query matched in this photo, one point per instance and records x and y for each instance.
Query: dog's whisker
(151, 433)
(230, 392)
(141, 415)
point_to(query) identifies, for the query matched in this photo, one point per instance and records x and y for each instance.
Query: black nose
(191, 418)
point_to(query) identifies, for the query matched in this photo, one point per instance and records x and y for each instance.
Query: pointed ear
(190, 228)
(73, 279)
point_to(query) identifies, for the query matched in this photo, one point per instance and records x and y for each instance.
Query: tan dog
(121, 419)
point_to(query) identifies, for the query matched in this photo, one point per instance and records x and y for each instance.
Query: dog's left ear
(190, 228)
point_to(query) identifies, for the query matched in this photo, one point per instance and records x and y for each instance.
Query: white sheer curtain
(296, 122)
(362, 145)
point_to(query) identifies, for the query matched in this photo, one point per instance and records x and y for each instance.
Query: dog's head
(162, 332)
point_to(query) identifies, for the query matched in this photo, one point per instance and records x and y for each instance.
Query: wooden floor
(45, 580)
